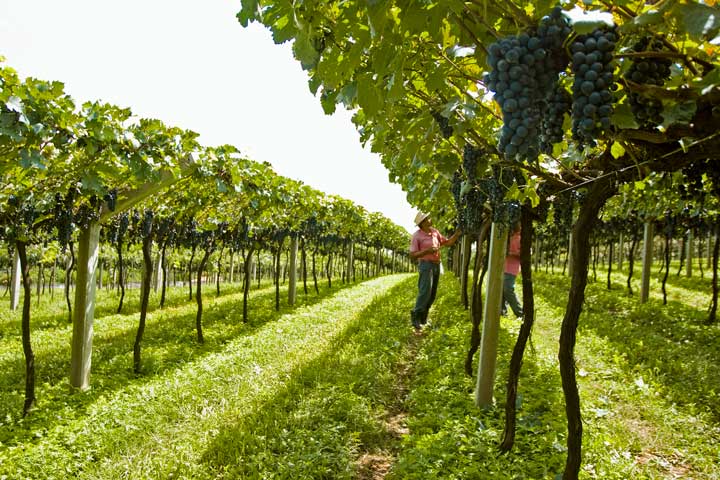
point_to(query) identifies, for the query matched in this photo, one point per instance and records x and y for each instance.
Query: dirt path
(376, 463)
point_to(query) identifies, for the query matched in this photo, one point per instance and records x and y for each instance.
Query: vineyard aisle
(313, 394)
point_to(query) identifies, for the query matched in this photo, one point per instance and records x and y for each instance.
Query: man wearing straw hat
(425, 247)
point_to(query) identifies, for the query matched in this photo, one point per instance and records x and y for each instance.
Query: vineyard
(217, 320)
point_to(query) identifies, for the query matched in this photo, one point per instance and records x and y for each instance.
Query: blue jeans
(427, 287)
(509, 296)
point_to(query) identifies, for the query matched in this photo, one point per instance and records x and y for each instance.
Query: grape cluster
(445, 129)
(147, 223)
(692, 183)
(525, 69)
(64, 218)
(558, 104)
(474, 201)
(593, 66)
(648, 71)
(562, 211)
(471, 155)
(455, 189)
(111, 199)
(87, 214)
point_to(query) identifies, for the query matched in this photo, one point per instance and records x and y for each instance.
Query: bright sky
(190, 64)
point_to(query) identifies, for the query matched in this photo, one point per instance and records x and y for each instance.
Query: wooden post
(15, 283)
(647, 261)
(491, 322)
(84, 310)
(158, 272)
(292, 270)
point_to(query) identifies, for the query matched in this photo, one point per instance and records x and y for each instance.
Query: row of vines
(89, 187)
(582, 121)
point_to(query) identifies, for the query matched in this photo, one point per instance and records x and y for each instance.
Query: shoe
(423, 318)
(415, 320)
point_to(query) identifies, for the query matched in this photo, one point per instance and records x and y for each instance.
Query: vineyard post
(350, 266)
(491, 322)
(647, 261)
(232, 266)
(157, 272)
(84, 311)
(709, 249)
(378, 259)
(15, 282)
(99, 282)
(292, 288)
(689, 253)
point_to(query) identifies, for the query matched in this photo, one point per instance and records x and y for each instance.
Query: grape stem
(481, 20)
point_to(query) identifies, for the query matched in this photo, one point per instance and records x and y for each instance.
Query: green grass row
(324, 389)
(296, 395)
(648, 382)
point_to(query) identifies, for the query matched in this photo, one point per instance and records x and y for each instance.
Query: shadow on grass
(670, 341)
(450, 437)
(168, 343)
(330, 408)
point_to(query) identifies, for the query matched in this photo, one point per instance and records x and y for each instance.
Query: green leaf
(679, 113)
(699, 21)
(651, 17)
(250, 11)
(622, 116)
(367, 95)
(617, 150)
(304, 51)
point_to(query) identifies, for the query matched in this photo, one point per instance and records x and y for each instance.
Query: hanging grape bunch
(592, 64)
(455, 189)
(558, 104)
(445, 129)
(474, 201)
(471, 156)
(524, 72)
(649, 71)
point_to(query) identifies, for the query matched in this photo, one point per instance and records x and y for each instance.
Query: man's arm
(451, 241)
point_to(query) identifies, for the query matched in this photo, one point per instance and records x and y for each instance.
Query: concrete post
(491, 322)
(84, 311)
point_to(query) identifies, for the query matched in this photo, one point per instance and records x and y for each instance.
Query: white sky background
(192, 65)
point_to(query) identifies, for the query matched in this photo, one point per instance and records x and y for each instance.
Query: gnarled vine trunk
(145, 295)
(526, 239)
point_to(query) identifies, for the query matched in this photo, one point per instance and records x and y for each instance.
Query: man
(425, 247)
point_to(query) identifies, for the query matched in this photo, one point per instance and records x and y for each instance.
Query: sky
(192, 65)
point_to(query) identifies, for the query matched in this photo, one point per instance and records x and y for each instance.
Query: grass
(340, 387)
(647, 381)
(183, 418)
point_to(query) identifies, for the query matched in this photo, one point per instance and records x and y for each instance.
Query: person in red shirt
(512, 268)
(425, 247)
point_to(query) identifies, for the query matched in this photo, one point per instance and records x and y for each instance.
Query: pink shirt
(422, 241)
(512, 260)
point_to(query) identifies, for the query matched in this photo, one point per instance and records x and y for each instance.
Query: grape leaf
(700, 21)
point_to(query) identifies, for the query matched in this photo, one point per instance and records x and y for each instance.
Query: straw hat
(420, 217)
